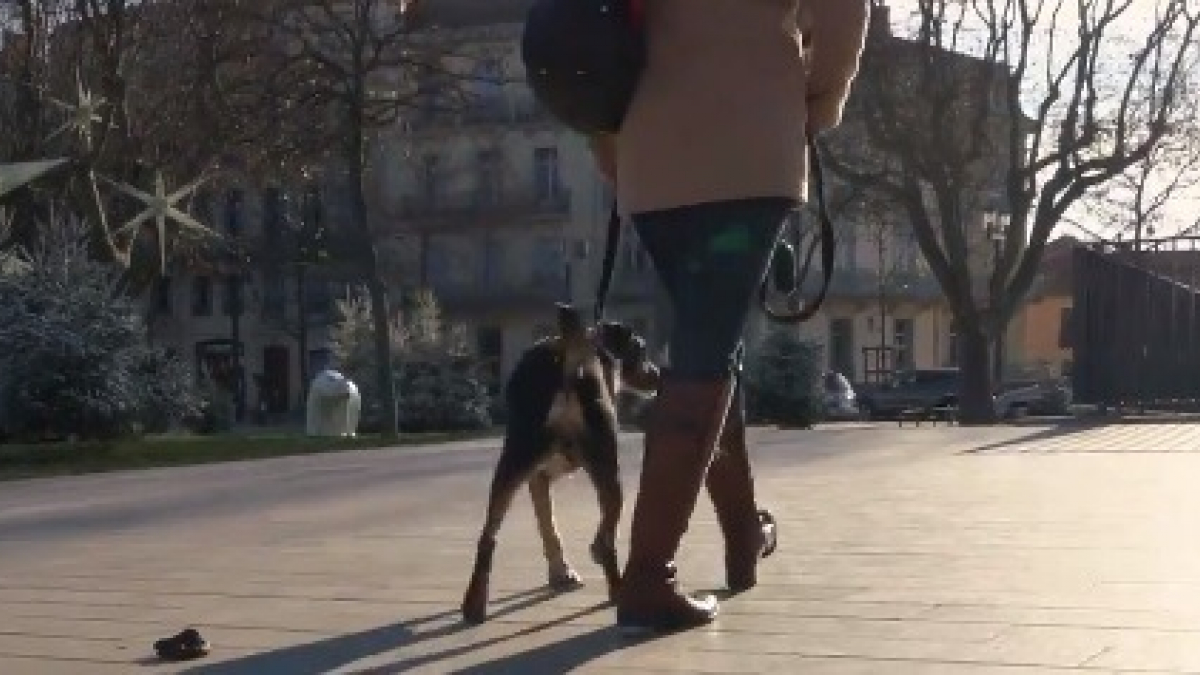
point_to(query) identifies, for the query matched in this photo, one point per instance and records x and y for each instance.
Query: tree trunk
(302, 335)
(380, 307)
(234, 288)
(383, 357)
(975, 398)
(424, 253)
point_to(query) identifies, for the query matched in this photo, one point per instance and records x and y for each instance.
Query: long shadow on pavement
(558, 657)
(323, 656)
(1065, 429)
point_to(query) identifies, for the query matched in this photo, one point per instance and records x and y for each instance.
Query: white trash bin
(334, 405)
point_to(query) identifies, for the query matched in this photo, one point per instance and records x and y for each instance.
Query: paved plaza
(919, 550)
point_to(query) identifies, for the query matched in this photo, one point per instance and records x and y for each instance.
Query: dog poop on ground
(187, 645)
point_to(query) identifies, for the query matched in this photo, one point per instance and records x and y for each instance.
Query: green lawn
(59, 459)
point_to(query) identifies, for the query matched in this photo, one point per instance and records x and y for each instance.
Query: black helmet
(583, 59)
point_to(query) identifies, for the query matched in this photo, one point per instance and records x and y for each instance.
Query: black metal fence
(1135, 325)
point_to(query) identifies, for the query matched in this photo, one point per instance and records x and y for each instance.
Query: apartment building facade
(249, 312)
(500, 212)
(493, 206)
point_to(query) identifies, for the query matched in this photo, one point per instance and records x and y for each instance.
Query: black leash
(826, 237)
(612, 241)
(828, 251)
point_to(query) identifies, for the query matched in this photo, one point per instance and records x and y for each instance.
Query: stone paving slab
(925, 550)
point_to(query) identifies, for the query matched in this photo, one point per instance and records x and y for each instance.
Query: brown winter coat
(728, 92)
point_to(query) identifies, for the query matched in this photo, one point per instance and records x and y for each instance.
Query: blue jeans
(711, 259)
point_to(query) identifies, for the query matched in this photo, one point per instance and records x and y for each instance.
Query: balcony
(504, 113)
(512, 294)
(863, 285)
(633, 285)
(463, 212)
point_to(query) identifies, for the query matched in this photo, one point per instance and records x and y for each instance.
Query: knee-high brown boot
(681, 437)
(749, 532)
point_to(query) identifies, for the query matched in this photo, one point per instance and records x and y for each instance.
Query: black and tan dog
(562, 416)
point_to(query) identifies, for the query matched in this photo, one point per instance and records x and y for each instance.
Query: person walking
(710, 162)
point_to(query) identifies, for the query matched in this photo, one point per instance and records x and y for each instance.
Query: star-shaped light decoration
(161, 208)
(81, 114)
(13, 176)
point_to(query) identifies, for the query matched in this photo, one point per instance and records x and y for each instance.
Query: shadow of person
(1055, 433)
(323, 656)
(558, 657)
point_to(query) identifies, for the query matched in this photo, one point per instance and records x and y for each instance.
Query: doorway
(275, 384)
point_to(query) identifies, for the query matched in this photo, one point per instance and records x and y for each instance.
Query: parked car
(840, 400)
(1045, 397)
(1016, 400)
(934, 387)
(921, 388)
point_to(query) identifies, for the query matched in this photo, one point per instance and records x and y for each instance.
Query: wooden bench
(945, 414)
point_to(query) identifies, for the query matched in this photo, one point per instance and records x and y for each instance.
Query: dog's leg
(605, 473)
(505, 483)
(562, 577)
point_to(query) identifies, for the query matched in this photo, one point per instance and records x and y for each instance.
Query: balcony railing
(633, 285)
(533, 291)
(480, 114)
(859, 284)
(478, 209)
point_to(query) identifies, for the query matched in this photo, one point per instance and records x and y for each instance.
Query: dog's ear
(570, 321)
(575, 344)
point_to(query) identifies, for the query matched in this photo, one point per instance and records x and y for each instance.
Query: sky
(1182, 212)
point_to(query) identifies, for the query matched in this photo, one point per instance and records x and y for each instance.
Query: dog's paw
(474, 612)
(474, 604)
(565, 581)
(614, 591)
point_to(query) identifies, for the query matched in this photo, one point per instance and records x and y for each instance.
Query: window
(847, 248)
(549, 265)
(202, 302)
(233, 213)
(431, 179)
(439, 264)
(488, 176)
(231, 298)
(312, 239)
(273, 215)
(162, 297)
(841, 345)
(489, 84)
(952, 348)
(428, 93)
(201, 207)
(902, 340)
(274, 295)
(318, 297)
(493, 261)
(318, 360)
(547, 183)
(489, 340)
(906, 250)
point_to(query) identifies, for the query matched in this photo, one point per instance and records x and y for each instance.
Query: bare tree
(128, 90)
(1141, 199)
(334, 72)
(1019, 106)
